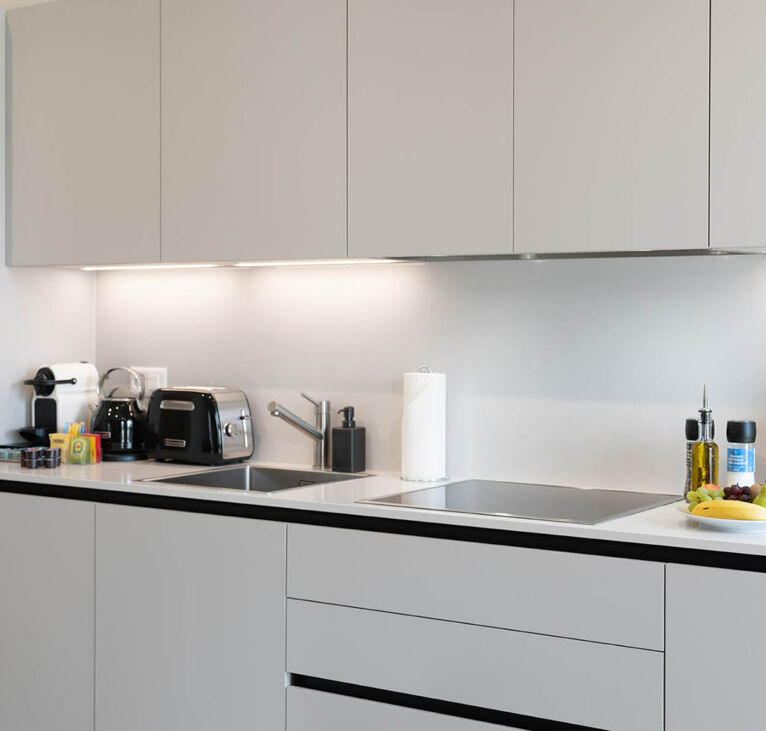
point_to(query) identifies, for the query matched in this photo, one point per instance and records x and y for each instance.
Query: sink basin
(257, 479)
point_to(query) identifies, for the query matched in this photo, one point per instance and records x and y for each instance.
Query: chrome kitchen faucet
(320, 432)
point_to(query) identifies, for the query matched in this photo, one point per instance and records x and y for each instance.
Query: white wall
(571, 371)
(46, 317)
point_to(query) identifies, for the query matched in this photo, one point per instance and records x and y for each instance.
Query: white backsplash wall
(47, 317)
(577, 372)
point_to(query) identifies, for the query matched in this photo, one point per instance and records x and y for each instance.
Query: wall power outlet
(154, 377)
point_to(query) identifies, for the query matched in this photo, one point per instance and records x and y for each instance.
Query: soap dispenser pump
(348, 444)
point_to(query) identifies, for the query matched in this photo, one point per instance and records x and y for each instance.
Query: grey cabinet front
(430, 167)
(593, 684)
(595, 598)
(253, 129)
(737, 113)
(189, 621)
(46, 614)
(611, 125)
(84, 133)
(714, 632)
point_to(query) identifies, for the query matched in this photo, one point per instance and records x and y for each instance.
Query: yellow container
(62, 442)
(79, 450)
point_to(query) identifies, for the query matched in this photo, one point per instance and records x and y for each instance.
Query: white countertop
(664, 526)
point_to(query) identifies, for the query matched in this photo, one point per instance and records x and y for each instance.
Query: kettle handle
(135, 377)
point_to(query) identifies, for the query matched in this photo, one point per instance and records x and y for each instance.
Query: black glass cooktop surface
(536, 502)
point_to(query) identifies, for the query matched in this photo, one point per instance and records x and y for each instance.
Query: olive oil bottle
(704, 450)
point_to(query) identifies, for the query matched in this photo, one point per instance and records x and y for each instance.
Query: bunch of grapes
(735, 492)
(703, 494)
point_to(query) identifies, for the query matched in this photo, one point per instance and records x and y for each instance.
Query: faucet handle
(308, 398)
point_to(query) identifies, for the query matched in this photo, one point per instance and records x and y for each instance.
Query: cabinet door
(714, 649)
(596, 685)
(190, 614)
(611, 125)
(608, 599)
(737, 111)
(253, 129)
(430, 127)
(84, 132)
(46, 614)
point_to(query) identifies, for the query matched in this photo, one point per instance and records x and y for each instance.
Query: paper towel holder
(424, 426)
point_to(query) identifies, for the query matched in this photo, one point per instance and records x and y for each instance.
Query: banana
(730, 510)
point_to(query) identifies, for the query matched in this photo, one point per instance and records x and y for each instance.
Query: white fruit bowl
(724, 524)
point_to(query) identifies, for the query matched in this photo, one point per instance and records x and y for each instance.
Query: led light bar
(312, 262)
(136, 267)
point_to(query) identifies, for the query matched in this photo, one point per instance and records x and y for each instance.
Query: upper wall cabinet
(253, 129)
(84, 150)
(611, 125)
(737, 131)
(430, 127)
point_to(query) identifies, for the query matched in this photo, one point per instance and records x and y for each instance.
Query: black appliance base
(124, 457)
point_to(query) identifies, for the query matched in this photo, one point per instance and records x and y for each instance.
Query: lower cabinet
(593, 684)
(311, 710)
(596, 598)
(46, 614)
(190, 613)
(163, 620)
(716, 648)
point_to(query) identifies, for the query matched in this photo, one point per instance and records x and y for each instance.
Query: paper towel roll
(424, 426)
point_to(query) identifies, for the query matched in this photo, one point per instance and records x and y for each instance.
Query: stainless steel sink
(257, 479)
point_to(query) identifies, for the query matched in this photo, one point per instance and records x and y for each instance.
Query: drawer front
(597, 598)
(596, 685)
(311, 710)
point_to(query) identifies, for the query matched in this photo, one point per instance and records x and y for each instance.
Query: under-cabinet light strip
(243, 264)
(311, 262)
(129, 267)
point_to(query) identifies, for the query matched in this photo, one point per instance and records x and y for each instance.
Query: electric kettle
(119, 419)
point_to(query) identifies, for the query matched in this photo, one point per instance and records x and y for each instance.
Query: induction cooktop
(536, 502)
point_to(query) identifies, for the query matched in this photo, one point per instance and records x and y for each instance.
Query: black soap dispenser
(348, 444)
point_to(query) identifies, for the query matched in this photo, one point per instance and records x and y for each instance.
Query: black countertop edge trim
(470, 534)
(445, 708)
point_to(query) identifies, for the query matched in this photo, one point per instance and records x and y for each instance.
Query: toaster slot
(171, 405)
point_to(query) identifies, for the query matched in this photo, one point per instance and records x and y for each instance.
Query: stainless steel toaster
(207, 425)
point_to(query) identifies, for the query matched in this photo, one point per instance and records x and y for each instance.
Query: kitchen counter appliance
(520, 500)
(62, 392)
(119, 419)
(207, 425)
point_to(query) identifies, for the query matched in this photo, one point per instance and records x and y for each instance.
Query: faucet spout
(320, 432)
(280, 411)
